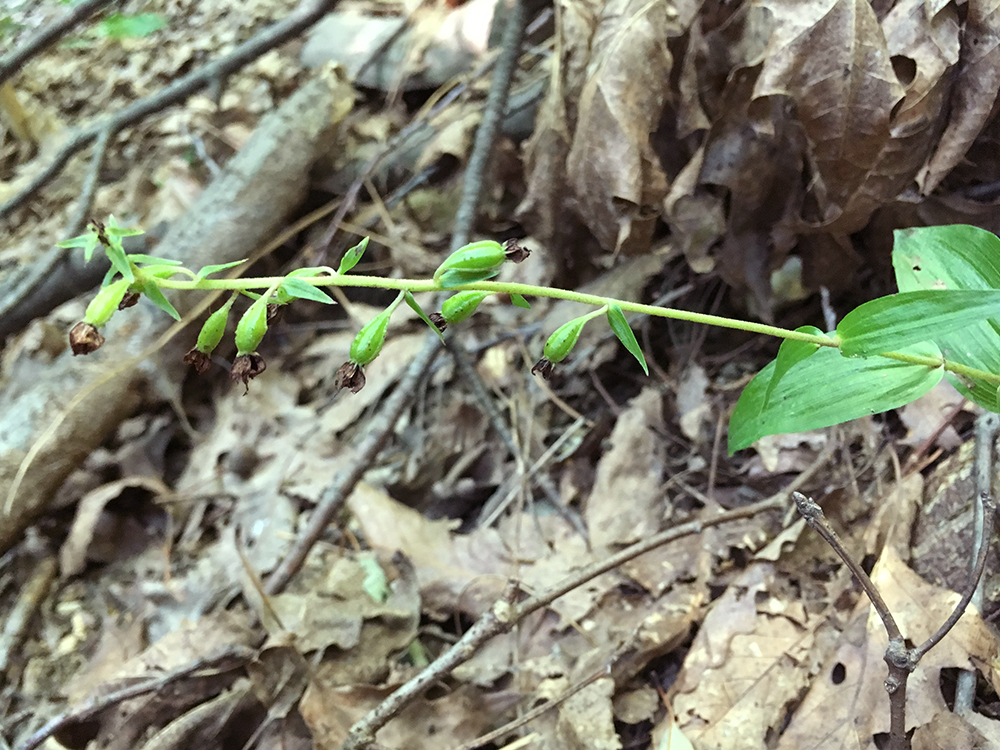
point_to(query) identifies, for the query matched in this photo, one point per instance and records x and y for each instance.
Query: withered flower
(438, 320)
(543, 367)
(85, 338)
(246, 367)
(350, 375)
(515, 252)
(130, 299)
(199, 360)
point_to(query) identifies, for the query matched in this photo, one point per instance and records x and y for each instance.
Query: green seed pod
(460, 306)
(104, 305)
(477, 256)
(214, 329)
(563, 339)
(368, 343)
(252, 327)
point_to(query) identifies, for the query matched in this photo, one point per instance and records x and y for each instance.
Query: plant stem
(529, 290)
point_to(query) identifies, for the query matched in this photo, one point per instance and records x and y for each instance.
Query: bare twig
(987, 425)
(534, 713)
(27, 604)
(228, 658)
(337, 492)
(486, 133)
(304, 16)
(15, 59)
(504, 616)
(899, 659)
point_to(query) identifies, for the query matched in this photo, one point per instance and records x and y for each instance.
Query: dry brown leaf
(627, 503)
(830, 57)
(748, 661)
(974, 94)
(615, 175)
(586, 721)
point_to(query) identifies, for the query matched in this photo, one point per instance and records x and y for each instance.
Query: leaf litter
(723, 122)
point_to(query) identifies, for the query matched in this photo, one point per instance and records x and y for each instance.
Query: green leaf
(299, 289)
(119, 26)
(790, 353)
(897, 320)
(453, 278)
(415, 306)
(825, 389)
(87, 241)
(956, 257)
(619, 324)
(375, 583)
(151, 290)
(215, 268)
(518, 301)
(352, 256)
(140, 258)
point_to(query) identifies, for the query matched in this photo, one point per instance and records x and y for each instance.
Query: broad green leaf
(299, 289)
(140, 258)
(152, 291)
(790, 353)
(619, 324)
(518, 301)
(453, 278)
(825, 389)
(415, 306)
(352, 256)
(956, 257)
(897, 320)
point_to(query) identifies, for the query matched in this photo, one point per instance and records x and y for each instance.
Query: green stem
(529, 290)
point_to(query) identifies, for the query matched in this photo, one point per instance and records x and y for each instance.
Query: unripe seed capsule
(563, 339)
(460, 306)
(105, 303)
(214, 329)
(478, 256)
(252, 327)
(368, 343)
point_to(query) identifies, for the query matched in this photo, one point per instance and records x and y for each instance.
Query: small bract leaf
(619, 324)
(119, 261)
(352, 257)
(826, 389)
(415, 306)
(152, 291)
(518, 301)
(452, 279)
(897, 320)
(299, 289)
(790, 353)
(215, 268)
(149, 259)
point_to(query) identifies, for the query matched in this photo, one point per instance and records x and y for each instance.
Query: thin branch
(89, 187)
(486, 133)
(14, 60)
(503, 616)
(228, 658)
(814, 516)
(989, 510)
(337, 492)
(304, 16)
